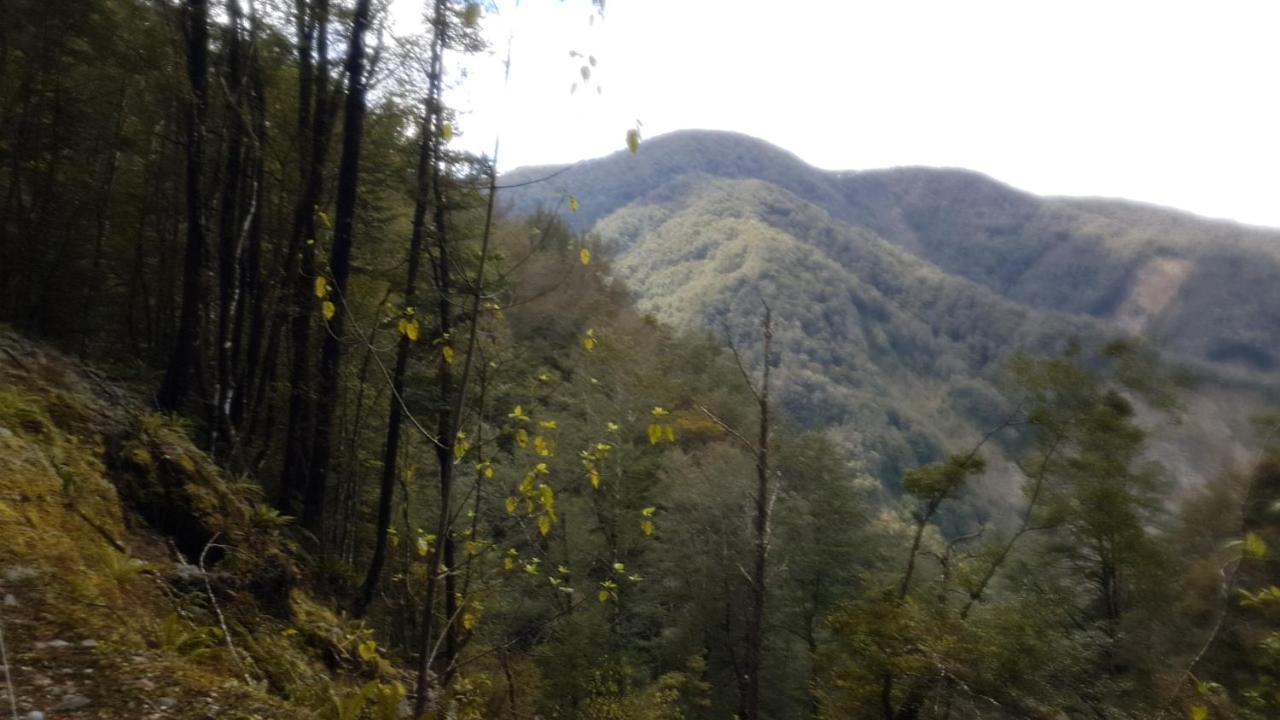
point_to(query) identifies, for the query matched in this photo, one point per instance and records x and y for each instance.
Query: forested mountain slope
(1198, 287)
(901, 292)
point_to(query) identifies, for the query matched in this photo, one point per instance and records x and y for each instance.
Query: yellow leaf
(603, 596)
(468, 621)
(518, 414)
(655, 434)
(633, 140)
(446, 132)
(540, 446)
(328, 309)
(547, 424)
(658, 412)
(648, 512)
(368, 650)
(646, 527)
(322, 287)
(562, 570)
(410, 329)
(1255, 545)
(595, 478)
(544, 524)
(447, 352)
(488, 470)
(1199, 712)
(670, 432)
(573, 204)
(584, 255)
(611, 426)
(324, 218)
(508, 564)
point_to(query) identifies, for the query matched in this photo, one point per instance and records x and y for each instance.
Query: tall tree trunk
(391, 449)
(339, 271)
(229, 233)
(764, 506)
(315, 108)
(251, 363)
(185, 360)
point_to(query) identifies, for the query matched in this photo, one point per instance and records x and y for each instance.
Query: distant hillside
(899, 292)
(1205, 290)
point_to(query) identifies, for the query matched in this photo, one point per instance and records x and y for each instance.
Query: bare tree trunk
(763, 504)
(396, 412)
(185, 360)
(339, 270)
(315, 106)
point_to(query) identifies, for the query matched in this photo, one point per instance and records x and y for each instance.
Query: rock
(34, 715)
(10, 600)
(88, 643)
(20, 574)
(53, 644)
(147, 685)
(73, 701)
(167, 702)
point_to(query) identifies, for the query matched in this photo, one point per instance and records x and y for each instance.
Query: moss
(94, 492)
(23, 412)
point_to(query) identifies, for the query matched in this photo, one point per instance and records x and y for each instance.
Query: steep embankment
(126, 556)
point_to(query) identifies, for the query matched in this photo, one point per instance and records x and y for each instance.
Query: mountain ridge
(899, 293)
(1081, 256)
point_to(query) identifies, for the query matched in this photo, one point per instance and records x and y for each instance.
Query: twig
(725, 427)
(8, 677)
(222, 620)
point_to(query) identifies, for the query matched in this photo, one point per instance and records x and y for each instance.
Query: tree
(185, 361)
(339, 272)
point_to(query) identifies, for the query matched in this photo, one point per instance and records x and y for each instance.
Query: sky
(1170, 102)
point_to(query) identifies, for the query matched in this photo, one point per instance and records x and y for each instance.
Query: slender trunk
(339, 270)
(255, 303)
(763, 503)
(229, 234)
(314, 125)
(396, 412)
(185, 360)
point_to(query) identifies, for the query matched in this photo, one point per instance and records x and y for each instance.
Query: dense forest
(306, 412)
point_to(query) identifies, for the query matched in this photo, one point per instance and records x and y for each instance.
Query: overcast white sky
(1175, 103)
